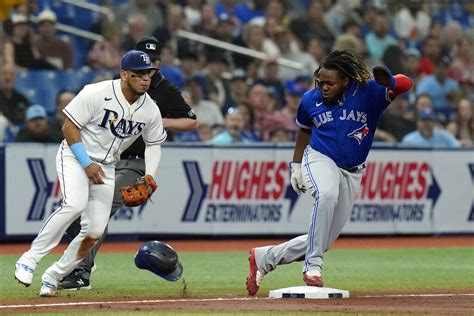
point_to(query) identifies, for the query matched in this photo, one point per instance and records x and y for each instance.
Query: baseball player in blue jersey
(337, 121)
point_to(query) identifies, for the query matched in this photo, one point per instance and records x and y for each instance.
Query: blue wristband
(80, 152)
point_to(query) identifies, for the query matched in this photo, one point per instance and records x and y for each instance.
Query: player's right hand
(95, 173)
(296, 178)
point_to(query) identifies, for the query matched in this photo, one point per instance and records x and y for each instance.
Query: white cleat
(48, 289)
(24, 274)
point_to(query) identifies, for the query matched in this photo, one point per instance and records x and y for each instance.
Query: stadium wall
(245, 190)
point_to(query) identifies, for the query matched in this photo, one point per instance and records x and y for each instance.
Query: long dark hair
(349, 63)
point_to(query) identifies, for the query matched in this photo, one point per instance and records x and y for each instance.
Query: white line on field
(210, 300)
(417, 295)
(131, 302)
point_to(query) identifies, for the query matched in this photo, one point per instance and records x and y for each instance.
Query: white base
(308, 292)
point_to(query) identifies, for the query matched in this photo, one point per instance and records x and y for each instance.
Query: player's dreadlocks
(349, 63)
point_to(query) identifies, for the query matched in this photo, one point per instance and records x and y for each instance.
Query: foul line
(417, 295)
(131, 302)
(211, 300)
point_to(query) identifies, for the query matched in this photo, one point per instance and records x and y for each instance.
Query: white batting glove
(296, 178)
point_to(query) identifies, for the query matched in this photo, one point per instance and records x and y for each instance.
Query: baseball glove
(138, 192)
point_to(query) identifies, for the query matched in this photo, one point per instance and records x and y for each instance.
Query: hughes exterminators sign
(206, 190)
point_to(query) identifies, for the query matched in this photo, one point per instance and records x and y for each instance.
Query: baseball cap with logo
(149, 45)
(35, 111)
(136, 60)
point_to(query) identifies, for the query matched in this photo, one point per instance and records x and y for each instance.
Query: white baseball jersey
(109, 124)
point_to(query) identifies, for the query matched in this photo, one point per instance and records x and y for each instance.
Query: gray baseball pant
(335, 191)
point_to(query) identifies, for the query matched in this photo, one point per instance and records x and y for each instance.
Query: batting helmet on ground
(159, 258)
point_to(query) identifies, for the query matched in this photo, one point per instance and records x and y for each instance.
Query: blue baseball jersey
(344, 130)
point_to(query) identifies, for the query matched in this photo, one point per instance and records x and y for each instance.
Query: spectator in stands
(55, 50)
(238, 87)
(411, 59)
(277, 9)
(106, 55)
(208, 111)
(286, 117)
(208, 21)
(226, 31)
(270, 80)
(395, 122)
(36, 127)
(284, 39)
(234, 123)
(254, 37)
(378, 40)
(393, 59)
(192, 12)
(462, 67)
(19, 48)
(62, 99)
(316, 49)
(136, 29)
(217, 88)
(411, 23)
(248, 131)
(168, 68)
(167, 33)
(259, 100)
(190, 66)
(204, 133)
(442, 89)
(313, 24)
(427, 136)
(463, 125)
(430, 51)
(13, 104)
(279, 135)
(146, 8)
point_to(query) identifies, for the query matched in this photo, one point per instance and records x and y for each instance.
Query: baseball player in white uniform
(102, 121)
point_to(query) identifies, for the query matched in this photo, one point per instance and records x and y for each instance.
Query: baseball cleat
(255, 277)
(313, 278)
(48, 289)
(24, 274)
(75, 281)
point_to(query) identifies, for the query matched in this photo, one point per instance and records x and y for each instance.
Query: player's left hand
(138, 192)
(384, 77)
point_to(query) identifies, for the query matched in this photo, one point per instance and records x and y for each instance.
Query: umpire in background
(177, 115)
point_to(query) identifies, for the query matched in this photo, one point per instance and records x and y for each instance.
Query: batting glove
(296, 178)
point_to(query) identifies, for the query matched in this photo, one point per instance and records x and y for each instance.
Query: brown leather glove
(138, 192)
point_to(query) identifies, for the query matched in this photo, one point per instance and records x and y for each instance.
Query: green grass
(220, 274)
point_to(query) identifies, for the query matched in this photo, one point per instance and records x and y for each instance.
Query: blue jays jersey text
(344, 131)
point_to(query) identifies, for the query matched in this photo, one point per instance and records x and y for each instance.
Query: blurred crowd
(238, 98)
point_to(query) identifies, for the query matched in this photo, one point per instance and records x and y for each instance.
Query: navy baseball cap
(426, 114)
(136, 60)
(295, 88)
(149, 45)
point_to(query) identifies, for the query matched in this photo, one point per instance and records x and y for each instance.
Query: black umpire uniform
(132, 163)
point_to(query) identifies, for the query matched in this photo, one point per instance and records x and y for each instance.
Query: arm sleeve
(152, 159)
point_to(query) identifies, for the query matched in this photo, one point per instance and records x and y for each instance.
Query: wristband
(80, 152)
